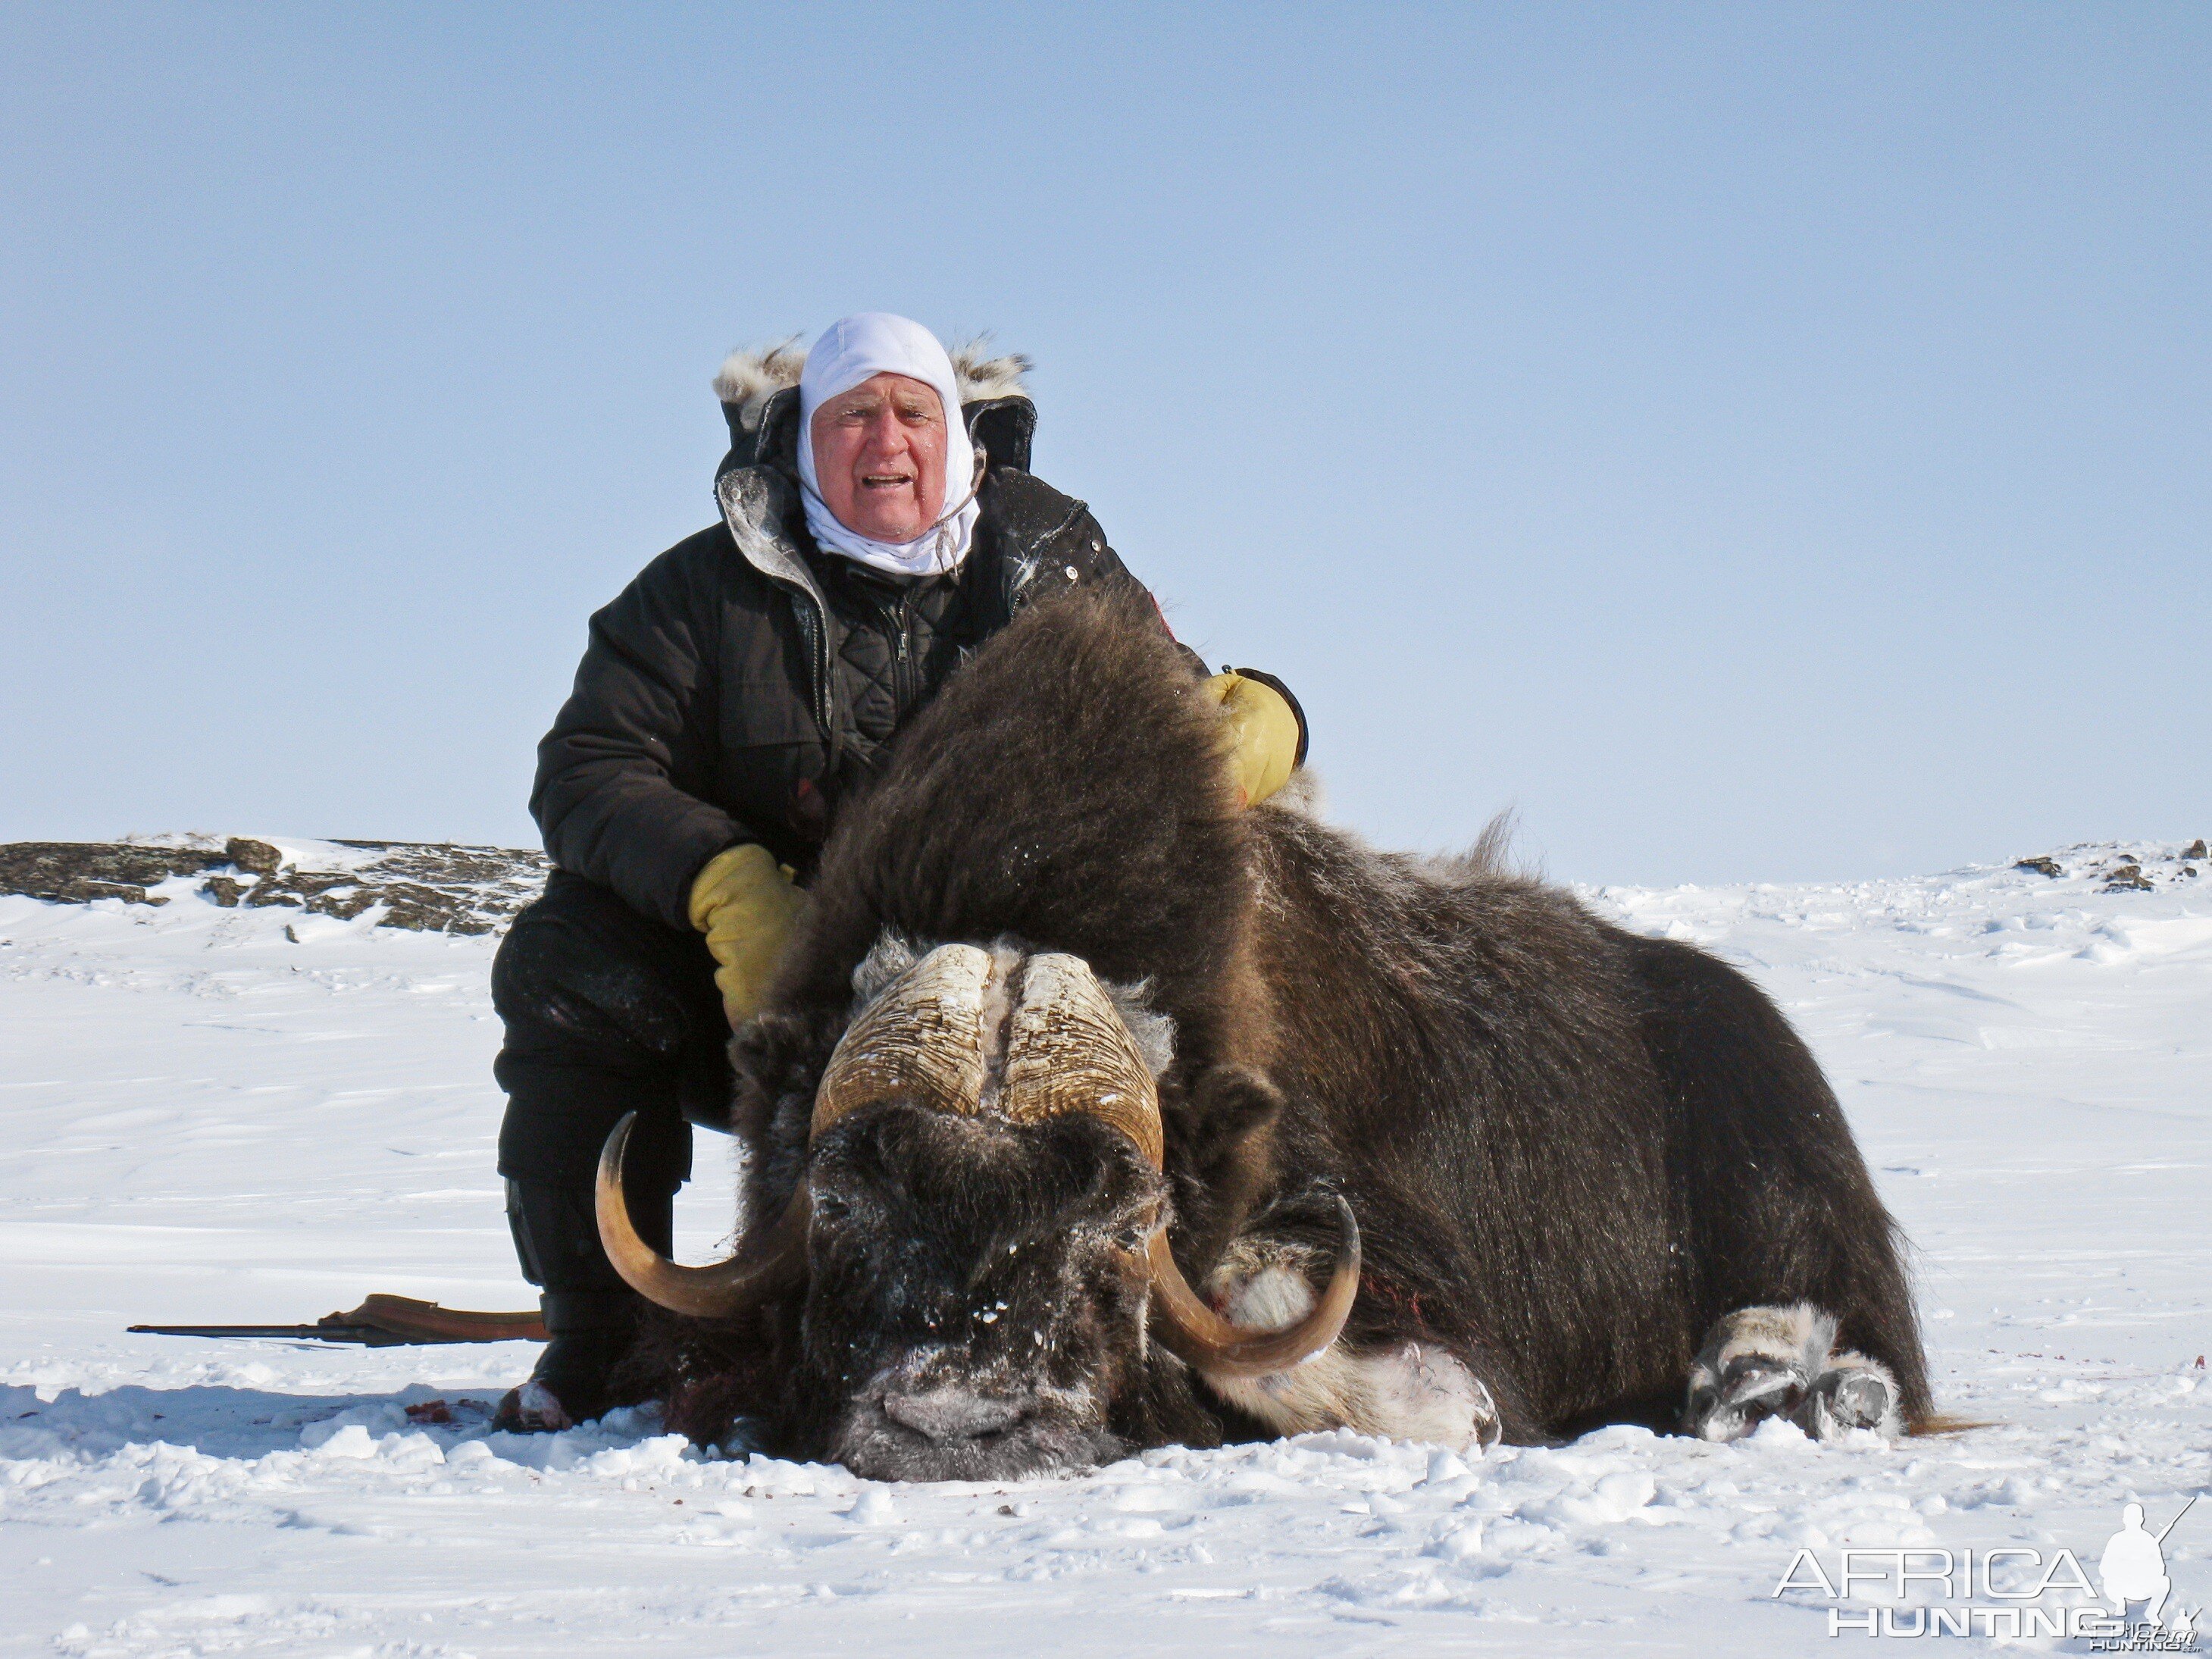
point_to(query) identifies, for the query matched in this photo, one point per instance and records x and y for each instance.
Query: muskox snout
(926, 1421)
(954, 1413)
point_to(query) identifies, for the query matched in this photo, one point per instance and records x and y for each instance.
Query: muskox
(1092, 1112)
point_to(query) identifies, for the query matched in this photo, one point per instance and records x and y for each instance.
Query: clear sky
(1754, 441)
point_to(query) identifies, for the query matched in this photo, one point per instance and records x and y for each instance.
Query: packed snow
(240, 1114)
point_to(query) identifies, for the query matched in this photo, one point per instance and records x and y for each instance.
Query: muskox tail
(1777, 1204)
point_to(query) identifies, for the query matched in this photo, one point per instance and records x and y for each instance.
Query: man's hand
(746, 906)
(1266, 734)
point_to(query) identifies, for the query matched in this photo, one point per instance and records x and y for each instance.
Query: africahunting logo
(2008, 1590)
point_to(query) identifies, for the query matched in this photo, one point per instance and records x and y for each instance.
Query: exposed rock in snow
(423, 886)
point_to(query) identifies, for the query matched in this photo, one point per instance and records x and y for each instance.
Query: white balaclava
(850, 350)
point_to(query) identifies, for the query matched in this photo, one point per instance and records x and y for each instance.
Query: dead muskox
(1067, 1034)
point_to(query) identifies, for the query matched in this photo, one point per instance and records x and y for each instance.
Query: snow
(210, 1121)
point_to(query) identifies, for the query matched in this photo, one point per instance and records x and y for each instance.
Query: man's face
(879, 457)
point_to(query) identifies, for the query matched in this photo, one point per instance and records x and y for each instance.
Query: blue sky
(1754, 442)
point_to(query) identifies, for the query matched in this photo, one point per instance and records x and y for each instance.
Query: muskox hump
(1064, 789)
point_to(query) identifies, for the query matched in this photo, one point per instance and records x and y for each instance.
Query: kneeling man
(878, 520)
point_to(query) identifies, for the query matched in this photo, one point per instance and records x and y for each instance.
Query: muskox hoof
(530, 1409)
(572, 1384)
(1759, 1363)
(1857, 1394)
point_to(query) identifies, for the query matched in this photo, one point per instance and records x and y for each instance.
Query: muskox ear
(778, 1060)
(1221, 1151)
(1233, 1102)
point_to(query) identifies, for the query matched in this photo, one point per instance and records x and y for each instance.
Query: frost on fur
(1759, 1363)
(1153, 1032)
(750, 375)
(891, 955)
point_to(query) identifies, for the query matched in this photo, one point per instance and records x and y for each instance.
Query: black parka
(745, 679)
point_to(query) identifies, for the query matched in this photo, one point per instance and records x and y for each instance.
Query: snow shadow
(248, 1424)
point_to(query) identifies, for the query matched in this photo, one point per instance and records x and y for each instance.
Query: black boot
(591, 1315)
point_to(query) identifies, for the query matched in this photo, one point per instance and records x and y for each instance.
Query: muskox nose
(953, 1413)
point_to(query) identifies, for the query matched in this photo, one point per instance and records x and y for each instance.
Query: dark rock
(426, 910)
(300, 888)
(2188, 869)
(2196, 849)
(423, 887)
(76, 873)
(2126, 878)
(83, 892)
(256, 858)
(345, 904)
(2042, 866)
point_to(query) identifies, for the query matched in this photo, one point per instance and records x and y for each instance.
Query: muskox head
(979, 1244)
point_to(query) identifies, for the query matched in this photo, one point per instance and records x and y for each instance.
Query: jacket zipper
(815, 625)
(902, 669)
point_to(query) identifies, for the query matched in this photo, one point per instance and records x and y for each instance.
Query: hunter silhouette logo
(2133, 1566)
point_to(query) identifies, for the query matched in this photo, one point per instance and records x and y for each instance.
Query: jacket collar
(757, 502)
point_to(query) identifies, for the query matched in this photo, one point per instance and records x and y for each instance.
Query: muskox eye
(1130, 1237)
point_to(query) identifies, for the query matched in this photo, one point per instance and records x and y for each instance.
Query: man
(878, 522)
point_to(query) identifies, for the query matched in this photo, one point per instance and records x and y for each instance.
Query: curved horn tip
(720, 1291)
(617, 1146)
(1347, 1229)
(1213, 1346)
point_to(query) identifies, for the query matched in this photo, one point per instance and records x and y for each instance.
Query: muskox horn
(721, 1292)
(1067, 1050)
(921, 1039)
(1211, 1346)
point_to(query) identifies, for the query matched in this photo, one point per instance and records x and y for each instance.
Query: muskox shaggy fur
(1576, 1155)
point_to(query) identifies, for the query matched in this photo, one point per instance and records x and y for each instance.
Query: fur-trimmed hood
(751, 377)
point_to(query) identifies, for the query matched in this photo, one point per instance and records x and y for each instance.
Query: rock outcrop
(425, 886)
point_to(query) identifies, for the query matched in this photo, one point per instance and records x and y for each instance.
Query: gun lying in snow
(382, 1322)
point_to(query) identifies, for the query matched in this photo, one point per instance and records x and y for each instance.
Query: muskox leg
(1403, 1391)
(1759, 1363)
(1779, 1207)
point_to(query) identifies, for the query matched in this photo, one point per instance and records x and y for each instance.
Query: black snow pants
(607, 1011)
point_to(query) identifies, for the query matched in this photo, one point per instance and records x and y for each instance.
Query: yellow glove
(746, 906)
(1266, 737)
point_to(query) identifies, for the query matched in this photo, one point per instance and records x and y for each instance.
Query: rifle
(381, 1322)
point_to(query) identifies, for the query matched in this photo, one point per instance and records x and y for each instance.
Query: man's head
(879, 453)
(883, 452)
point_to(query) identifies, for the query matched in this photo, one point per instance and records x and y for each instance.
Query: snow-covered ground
(210, 1119)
